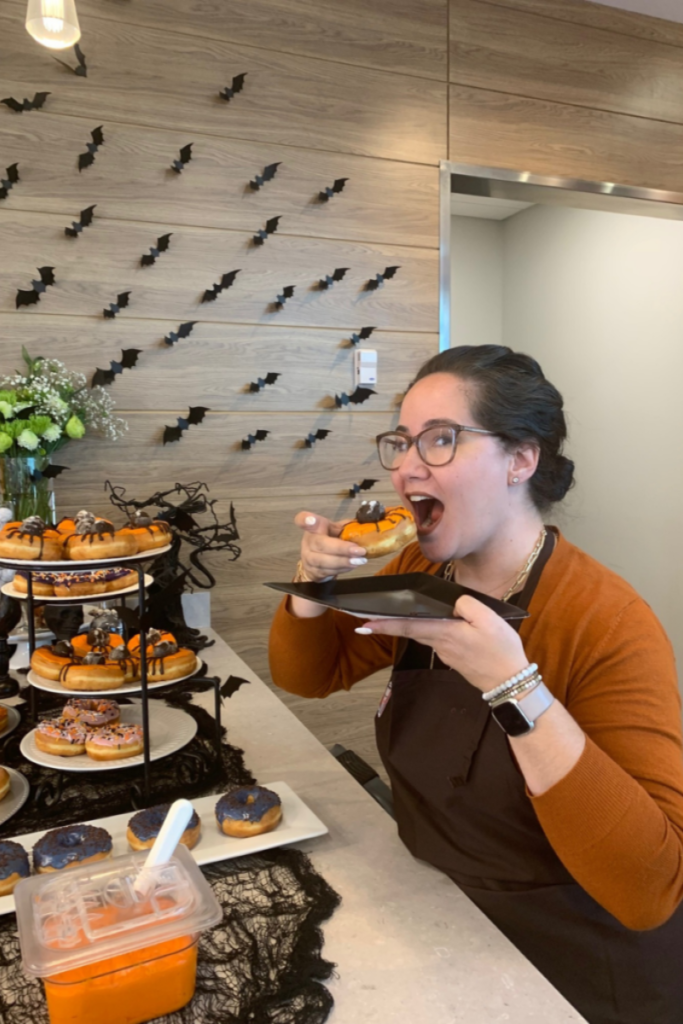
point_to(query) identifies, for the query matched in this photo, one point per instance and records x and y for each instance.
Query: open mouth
(427, 511)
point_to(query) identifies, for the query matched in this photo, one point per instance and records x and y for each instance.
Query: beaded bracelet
(519, 690)
(526, 673)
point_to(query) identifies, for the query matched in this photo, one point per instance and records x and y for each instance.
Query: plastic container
(106, 954)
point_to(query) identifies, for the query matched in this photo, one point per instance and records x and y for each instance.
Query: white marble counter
(408, 945)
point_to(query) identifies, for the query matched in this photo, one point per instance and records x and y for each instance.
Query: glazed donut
(148, 533)
(76, 584)
(165, 660)
(380, 531)
(4, 714)
(92, 712)
(96, 538)
(60, 736)
(143, 828)
(5, 782)
(248, 811)
(70, 847)
(14, 865)
(114, 742)
(31, 540)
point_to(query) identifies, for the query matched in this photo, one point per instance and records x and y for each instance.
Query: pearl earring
(515, 479)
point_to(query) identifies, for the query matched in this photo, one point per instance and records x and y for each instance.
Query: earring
(515, 479)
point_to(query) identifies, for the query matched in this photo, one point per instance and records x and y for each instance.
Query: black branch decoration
(337, 275)
(184, 331)
(364, 485)
(122, 300)
(195, 415)
(183, 159)
(87, 159)
(129, 359)
(19, 106)
(270, 229)
(226, 281)
(262, 382)
(163, 244)
(362, 335)
(84, 221)
(286, 293)
(250, 440)
(319, 435)
(82, 68)
(379, 279)
(268, 174)
(29, 297)
(332, 190)
(10, 181)
(357, 397)
(235, 86)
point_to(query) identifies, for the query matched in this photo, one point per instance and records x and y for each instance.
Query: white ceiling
(670, 10)
(484, 207)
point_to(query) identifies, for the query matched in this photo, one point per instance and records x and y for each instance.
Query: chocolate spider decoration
(34, 528)
(160, 651)
(63, 649)
(87, 525)
(142, 520)
(98, 638)
(122, 657)
(94, 658)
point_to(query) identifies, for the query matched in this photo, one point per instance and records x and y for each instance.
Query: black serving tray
(412, 595)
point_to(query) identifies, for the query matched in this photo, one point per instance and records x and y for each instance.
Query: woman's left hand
(480, 645)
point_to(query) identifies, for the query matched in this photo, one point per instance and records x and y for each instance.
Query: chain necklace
(523, 574)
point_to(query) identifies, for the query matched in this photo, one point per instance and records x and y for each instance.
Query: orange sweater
(616, 819)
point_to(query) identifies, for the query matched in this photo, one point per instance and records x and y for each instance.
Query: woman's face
(468, 499)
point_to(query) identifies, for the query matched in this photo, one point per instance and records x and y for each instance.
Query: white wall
(476, 281)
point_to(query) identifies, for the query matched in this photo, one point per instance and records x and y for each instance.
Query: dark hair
(511, 397)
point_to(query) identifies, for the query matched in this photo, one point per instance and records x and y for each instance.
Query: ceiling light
(53, 23)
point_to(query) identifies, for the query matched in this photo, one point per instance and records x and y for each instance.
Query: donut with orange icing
(31, 540)
(4, 715)
(165, 660)
(380, 531)
(148, 533)
(95, 538)
(49, 661)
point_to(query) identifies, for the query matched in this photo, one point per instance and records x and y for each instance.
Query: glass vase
(24, 488)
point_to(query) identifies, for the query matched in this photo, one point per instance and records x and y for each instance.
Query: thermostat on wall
(365, 366)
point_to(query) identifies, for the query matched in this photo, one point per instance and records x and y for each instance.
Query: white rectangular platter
(298, 823)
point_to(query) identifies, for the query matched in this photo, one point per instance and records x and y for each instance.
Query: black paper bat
(122, 300)
(269, 173)
(269, 378)
(195, 414)
(11, 179)
(232, 685)
(319, 435)
(49, 473)
(251, 439)
(270, 228)
(286, 293)
(326, 282)
(129, 359)
(82, 69)
(29, 298)
(359, 396)
(35, 104)
(236, 85)
(226, 281)
(333, 190)
(184, 331)
(185, 157)
(362, 335)
(163, 242)
(86, 159)
(380, 278)
(364, 485)
(78, 225)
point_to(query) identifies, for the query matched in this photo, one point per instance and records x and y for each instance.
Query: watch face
(512, 719)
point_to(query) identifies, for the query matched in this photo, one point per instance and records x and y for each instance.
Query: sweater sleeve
(616, 819)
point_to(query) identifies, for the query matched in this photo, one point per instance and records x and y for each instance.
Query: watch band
(527, 709)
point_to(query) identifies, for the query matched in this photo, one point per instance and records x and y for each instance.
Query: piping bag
(165, 843)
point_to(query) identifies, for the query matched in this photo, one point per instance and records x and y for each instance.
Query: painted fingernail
(358, 561)
(363, 630)
(310, 520)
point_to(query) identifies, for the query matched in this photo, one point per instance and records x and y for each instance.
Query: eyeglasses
(435, 445)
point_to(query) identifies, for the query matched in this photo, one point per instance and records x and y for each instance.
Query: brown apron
(460, 804)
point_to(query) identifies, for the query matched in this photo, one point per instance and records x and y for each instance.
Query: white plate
(110, 595)
(80, 563)
(13, 719)
(52, 686)
(17, 796)
(298, 823)
(170, 730)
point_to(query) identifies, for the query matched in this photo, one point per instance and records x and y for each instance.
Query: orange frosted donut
(5, 782)
(380, 531)
(49, 661)
(165, 660)
(114, 742)
(31, 540)
(148, 533)
(96, 538)
(3, 717)
(61, 736)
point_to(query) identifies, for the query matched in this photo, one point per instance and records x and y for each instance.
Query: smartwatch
(517, 715)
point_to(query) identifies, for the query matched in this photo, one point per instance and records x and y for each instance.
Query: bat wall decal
(129, 359)
(235, 86)
(49, 473)
(122, 300)
(85, 221)
(251, 439)
(88, 158)
(29, 298)
(12, 178)
(162, 245)
(286, 293)
(195, 415)
(379, 279)
(364, 485)
(184, 331)
(337, 275)
(184, 158)
(270, 229)
(226, 281)
(359, 396)
(261, 382)
(82, 69)
(19, 107)
(362, 335)
(333, 190)
(319, 435)
(269, 173)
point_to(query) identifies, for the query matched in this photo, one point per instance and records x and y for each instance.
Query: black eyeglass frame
(455, 427)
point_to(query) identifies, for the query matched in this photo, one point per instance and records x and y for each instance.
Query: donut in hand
(380, 531)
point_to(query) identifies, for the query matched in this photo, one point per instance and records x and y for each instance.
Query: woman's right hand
(323, 554)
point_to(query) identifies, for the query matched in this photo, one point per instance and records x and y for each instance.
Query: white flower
(27, 439)
(53, 433)
(6, 410)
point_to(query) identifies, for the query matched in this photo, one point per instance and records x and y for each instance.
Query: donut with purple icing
(70, 847)
(144, 827)
(248, 811)
(14, 865)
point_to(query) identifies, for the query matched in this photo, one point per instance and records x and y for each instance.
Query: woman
(564, 824)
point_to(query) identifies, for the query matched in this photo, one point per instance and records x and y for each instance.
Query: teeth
(420, 497)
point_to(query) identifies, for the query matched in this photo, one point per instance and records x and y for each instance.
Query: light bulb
(53, 23)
